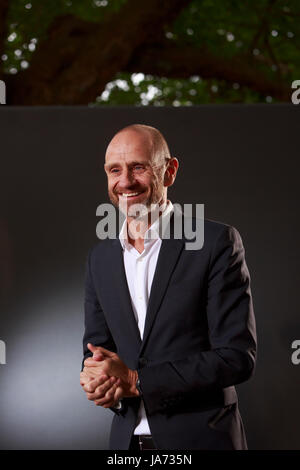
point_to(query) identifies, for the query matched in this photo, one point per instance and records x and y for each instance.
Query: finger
(100, 349)
(90, 362)
(108, 399)
(111, 397)
(87, 361)
(119, 392)
(90, 370)
(91, 385)
(88, 378)
(84, 378)
(97, 356)
(96, 372)
(101, 390)
(84, 381)
(101, 397)
(116, 397)
(112, 402)
(91, 347)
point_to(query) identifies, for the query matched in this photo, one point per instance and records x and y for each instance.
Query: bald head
(148, 136)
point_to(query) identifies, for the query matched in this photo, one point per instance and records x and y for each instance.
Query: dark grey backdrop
(241, 161)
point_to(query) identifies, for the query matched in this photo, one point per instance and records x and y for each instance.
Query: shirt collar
(152, 233)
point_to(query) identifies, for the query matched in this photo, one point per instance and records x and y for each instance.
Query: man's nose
(126, 178)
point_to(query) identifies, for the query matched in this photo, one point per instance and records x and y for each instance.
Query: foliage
(266, 30)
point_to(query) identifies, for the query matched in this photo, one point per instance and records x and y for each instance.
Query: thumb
(99, 353)
(118, 393)
(91, 347)
(97, 356)
(100, 350)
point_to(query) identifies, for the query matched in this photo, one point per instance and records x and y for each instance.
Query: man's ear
(171, 171)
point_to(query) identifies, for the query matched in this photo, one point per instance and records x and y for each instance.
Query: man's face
(134, 174)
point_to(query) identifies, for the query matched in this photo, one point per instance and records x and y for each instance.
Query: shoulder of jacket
(216, 227)
(221, 232)
(216, 231)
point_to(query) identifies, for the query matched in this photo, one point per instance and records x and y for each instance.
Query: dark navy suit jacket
(199, 338)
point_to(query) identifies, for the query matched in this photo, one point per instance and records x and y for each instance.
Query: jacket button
(142, 361)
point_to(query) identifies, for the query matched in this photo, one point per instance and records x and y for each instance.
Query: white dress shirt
(140, 269)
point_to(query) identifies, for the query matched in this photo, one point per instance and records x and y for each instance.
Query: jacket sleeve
(232, 334)
(96, 329)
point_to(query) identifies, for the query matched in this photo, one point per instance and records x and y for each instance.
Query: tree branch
(175, 61)
(73, 65)
(273, 58)
(264, 25)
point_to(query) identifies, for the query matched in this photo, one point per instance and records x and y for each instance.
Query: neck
(137, 227)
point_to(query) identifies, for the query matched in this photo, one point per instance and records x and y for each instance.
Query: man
(168, 331)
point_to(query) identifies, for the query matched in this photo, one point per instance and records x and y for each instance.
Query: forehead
(129, 144)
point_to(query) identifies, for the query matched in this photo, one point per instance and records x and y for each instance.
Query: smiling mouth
(130, 195)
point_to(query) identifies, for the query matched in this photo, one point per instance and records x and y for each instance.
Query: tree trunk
(73, 65)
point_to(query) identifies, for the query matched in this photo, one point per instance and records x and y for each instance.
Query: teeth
(130, 194)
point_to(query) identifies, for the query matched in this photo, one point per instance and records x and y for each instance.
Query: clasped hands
(106, 379)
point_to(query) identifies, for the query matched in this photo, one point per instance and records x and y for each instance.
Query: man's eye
(138, 167)
(114, 170)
